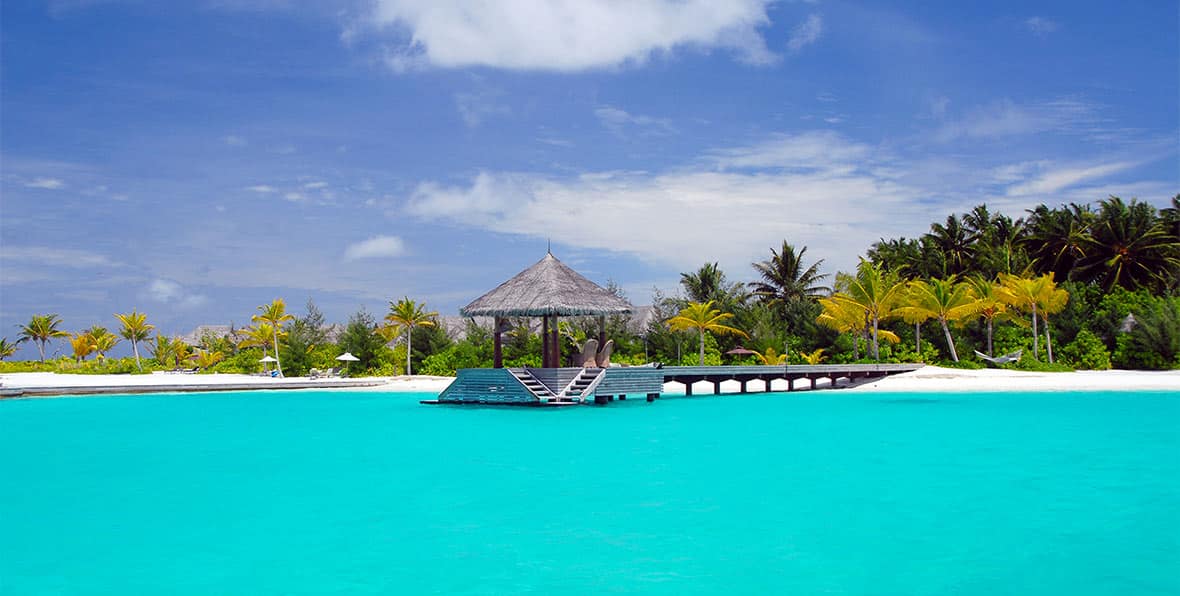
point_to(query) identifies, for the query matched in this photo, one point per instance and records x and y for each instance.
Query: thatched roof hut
(547, 288)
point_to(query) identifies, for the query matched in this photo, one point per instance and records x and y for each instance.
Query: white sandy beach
(926, 379)
(937, 379)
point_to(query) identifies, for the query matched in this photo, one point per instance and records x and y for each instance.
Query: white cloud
(316, 185)
(806, 33)
(46, 183)
(1040, 25)
(618, 121)
(1006, 118)
(234, 140)
(684, 217)
(565, 35)
(376, 247)
(477, 106)
(1054, 180)
(169, 292)
(816, 149)
(55, 257)
(262, 188)
(294, 197)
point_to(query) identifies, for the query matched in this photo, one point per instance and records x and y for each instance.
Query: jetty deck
(571, 386)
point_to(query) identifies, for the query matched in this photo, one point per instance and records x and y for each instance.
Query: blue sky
(197, 159)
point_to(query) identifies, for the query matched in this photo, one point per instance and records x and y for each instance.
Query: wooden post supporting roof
(497, 343)
(545, 351)
(555, 345)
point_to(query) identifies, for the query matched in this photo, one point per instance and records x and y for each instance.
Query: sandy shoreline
(926, 379)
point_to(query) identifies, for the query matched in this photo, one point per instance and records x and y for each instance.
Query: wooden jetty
(549, 289)
(572, 386)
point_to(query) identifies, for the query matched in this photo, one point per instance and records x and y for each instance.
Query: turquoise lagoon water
(365, 493)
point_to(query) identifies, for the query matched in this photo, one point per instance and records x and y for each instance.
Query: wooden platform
(834, 374)
(572, 386)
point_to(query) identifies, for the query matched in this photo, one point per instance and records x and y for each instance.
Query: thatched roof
(547, 288)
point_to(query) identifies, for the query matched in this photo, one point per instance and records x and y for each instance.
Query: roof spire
(548, 246)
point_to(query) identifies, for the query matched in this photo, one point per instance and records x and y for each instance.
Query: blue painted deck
(569, 386)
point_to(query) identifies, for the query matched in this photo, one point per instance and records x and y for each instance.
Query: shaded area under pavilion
(548, 289)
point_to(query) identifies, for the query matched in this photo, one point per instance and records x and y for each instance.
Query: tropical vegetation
(1073, 286)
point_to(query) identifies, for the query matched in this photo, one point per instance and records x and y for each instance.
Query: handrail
(589, 388)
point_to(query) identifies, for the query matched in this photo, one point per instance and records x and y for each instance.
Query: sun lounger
(603, 358)
(1000, 360)
(589, 356)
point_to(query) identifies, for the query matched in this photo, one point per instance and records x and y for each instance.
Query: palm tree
(947, 300)
(261, 335)
(1033, 295)
(274, 314)
(1007, 237)
(709, 283)
(899, 255)
(135, 329)
(104, 341)
(82, 344)
(955, 242)
(207, 359)
(1130, 247)
(40, 329)
(407, 314)
(1171, 217)
(170, 351)
(844, 316)
(875, 292)
(1059, 238)
(8, 349)
(770, 356)
(1052, 301)
(814, 357)
(703, 317)
(993, 300)
(785, 279)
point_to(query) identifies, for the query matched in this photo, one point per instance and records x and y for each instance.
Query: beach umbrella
(348, 357)
(268, 359)
(740, 351)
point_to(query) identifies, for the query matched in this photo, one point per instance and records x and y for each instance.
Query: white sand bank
(929, 378)
(934, 378)
(33, 382)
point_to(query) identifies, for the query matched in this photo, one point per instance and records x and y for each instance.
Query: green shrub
(906, 353)
(1029, 363)
(1086, 351)
(446, 362)
(1154, 342)
(245, 361)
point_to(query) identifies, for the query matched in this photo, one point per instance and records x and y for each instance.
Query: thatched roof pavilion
(548, 289)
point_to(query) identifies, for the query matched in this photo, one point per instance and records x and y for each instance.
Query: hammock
(998, 360)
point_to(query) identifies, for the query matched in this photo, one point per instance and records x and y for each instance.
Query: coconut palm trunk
(989, 338)
(950, 342)
(1048, 342)
(409, 348)
(278, 363)
(876, 348)
(1036, 334)
(918, 338)
(702, 348)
